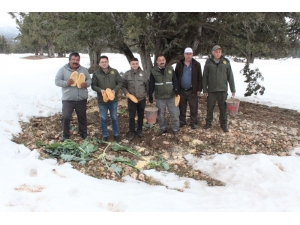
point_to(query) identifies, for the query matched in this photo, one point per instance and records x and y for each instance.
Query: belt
(188, 89)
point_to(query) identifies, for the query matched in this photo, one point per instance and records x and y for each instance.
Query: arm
(151, 87)
(95, 84)
(199, 79)
(59, 79)
(230, 80)
(175, 83)
(125, 85)
(119, 82)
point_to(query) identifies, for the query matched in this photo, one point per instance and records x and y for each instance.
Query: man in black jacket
(189, 75)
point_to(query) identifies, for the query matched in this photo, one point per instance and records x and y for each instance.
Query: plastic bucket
(232, 106)
(151, 114)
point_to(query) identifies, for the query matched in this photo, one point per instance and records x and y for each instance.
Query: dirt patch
(256, 129)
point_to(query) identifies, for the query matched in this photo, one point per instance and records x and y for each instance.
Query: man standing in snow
(136, 82)
(73, 97)
(103, 78)
(163, 83)
(216, 76)
(189, 75)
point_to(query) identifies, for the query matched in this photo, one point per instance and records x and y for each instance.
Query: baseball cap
(188, 50)
(216, 47)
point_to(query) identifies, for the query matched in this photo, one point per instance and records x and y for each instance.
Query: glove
(151, 99)
(176, 92)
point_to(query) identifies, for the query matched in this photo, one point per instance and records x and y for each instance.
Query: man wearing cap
(217, 74)
(163, 83)
(189, 75)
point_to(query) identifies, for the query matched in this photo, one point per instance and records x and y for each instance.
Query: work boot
(206, 126)
(63, 139)
(175, 133)
(140, 133)
(181, 125)
(104, 138)
(131, 136)
(193, 126)
(224, 128)
(160, 132)
(117, 138)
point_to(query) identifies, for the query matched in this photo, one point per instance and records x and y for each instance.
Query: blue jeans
(113, 110)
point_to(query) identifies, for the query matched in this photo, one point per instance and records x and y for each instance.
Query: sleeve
(199, 77)
(205, 78)
(175, 83)
(146, 82)
(95, 84)
(125, 84)
(59, 79)
(230, 79)
(151, 84)
(119, 82)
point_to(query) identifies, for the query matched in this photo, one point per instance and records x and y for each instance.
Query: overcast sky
(5, 19)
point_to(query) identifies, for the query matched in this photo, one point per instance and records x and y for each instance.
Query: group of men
(164, 82)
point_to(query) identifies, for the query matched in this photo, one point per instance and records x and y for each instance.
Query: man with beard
(73, 97)
(163, 83)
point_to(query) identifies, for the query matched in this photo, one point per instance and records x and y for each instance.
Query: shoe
(193, 126)
(181, 125)
(131, 136)
(117, 138)
(175, 133)
(140, 133)
(85, 136)
(63, 139)
(224, 128)
(206, 126)
(104, 138)
(160, 132)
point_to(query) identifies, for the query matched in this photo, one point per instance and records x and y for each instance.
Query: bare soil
(256, 129)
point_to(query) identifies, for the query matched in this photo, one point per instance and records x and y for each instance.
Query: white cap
(188, 50)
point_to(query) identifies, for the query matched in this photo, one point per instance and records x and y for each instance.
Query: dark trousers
(212, 98)
(138, 108)
(67, 109)
(188, 97)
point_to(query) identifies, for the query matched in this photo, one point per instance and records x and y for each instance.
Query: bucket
(232, 106)
(151, 114)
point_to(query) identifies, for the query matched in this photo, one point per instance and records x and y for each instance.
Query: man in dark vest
(217, 74)
(189, 75)
(163, 83)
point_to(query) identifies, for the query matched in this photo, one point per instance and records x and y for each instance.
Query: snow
(254, 183)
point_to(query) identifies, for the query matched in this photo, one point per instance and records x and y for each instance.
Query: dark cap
(216, 47)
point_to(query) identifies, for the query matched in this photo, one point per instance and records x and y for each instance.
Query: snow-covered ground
(254, 183)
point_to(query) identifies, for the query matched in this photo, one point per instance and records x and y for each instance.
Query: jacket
(196, 75)
(136, 84)
(216, 76)
(72, 93)
(101, 80)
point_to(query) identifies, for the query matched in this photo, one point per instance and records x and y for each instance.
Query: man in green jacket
(103, 78)
(136, 82)
(163, 83)
(216, 76)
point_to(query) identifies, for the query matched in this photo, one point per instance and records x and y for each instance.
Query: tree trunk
(94, 54)
(251, 58)
(145, 54)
